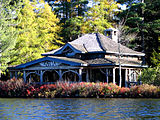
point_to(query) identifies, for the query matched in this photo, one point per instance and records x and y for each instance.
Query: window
(108, 33)
(68, 52)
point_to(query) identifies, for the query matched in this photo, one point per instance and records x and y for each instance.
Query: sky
(122, 6)
(90, 4)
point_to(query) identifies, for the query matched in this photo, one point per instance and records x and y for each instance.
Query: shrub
(151, 76)
(144, 90)
(12, 88)
(17, 88)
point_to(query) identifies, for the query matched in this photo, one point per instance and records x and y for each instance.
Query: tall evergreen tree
(144, 18)
(38, 32)
(66, 9)
(70, 13)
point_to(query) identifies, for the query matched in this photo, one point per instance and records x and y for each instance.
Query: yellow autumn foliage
(37, 32)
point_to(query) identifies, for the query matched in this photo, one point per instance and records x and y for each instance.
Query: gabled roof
(51, 52)
(90, 43)
(65, 60)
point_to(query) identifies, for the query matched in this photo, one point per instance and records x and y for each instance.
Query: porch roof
(114, 61)
(65, 60)
(78, 62)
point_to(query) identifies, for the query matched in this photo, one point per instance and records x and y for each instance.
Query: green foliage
(100, 16)
(156, 59)
(77, 18)
(66, 9)
(38, 32)
(8, 33)
(70, 13)
(72, 27)
(143, 18)
(151, 76)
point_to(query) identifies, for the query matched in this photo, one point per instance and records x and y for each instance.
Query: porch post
(41, 77)
(126, 77)
(90, 75)
(60, 75)
(120, 77)
(16, 74)
(129, 75)
(114, 82)
(80, 75)
(30, 78)
(87, 76)
(24, 76)
(140, 81)
(134, 76)
(74, 77)
(11, 75)
(107, 75)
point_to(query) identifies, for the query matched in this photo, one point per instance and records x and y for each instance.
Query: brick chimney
(112, 33)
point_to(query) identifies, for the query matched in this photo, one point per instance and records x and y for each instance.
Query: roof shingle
(98, 43)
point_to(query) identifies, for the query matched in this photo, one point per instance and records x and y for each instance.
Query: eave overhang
(57, 59)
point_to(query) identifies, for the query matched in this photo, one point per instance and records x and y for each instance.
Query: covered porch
(49, 70)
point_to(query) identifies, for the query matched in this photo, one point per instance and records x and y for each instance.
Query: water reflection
(44, 109)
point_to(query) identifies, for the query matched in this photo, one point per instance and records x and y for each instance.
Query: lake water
(83, 108)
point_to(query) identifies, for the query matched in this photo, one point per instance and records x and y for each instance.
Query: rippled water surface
(44, 109)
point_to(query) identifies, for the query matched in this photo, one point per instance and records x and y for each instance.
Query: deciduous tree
(100, 16)
(38, 32)
(8, 32)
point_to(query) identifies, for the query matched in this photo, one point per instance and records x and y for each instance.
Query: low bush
(151, 76)
(13, 88)
(17, 88)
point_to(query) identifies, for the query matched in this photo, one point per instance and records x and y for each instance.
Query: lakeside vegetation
(17, 88)
(151, 76)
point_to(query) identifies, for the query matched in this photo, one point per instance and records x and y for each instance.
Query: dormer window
(108, 33)
(68, 52)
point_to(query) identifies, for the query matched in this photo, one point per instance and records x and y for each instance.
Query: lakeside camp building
(90, 58)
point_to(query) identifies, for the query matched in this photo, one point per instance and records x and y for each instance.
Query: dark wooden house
(90, 58)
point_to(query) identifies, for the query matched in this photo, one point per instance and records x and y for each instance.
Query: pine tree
(144, 18)
(38, 32)
(70, 13)
(66, 9)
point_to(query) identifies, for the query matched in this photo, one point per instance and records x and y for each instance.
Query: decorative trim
(64, 47)
(49, 64)
(22, 66)
(36, 72)
(70, 71)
